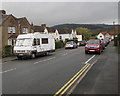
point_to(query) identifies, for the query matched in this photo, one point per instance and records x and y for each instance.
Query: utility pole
(114, 34)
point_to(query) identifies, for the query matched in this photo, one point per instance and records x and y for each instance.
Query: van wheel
(46, 53)
(19, 58)
(86, 52)
(33, 56)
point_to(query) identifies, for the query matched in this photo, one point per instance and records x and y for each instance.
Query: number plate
(92, 50)
(20, 54)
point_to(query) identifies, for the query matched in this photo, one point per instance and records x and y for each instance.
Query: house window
(11, 42)
(100, 36)
(60, 37)
(25, 30)
(44, 40)
(11, 30)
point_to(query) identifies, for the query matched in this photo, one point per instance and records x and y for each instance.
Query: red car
(93, 45)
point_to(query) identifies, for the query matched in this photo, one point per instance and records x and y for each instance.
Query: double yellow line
(71, 81)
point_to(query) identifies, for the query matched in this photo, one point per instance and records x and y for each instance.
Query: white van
(33, 44)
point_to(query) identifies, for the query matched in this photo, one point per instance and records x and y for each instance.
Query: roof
(64, 31)
(111, 33)
(38, 28)
(51, 29)
(19, 20)
(12, 36)
(104, 33)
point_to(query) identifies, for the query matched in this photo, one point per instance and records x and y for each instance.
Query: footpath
(102, 78)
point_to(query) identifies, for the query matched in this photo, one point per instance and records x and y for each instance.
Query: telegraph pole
(114, 34)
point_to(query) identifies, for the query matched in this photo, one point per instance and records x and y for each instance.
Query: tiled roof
(64, 31)
(104, 33)
(51, 29)
(38, 28)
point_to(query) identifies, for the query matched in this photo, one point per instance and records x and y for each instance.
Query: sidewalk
(103, 76)
(7, 59)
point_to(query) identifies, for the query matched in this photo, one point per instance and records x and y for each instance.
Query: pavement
(7, 59)
(47, 74)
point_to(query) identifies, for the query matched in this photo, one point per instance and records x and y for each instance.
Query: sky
(54, 13)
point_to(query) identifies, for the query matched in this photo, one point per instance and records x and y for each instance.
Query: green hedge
(75, 40)
(7, 51)
(59, 44)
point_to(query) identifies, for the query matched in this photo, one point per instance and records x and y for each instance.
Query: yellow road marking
(70, 80)
(73, 81)
(72, 89)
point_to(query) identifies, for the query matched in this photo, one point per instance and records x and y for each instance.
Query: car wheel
(33, 56)
(99, 52)
(86, 52)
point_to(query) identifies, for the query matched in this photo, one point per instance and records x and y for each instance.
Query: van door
(38, 46)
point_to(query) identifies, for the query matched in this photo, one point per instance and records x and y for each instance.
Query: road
(48, 74)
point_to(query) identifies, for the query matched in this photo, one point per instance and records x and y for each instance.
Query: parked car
(82, 43)
(93, 45)
(33, 44)
(104, 43)
(70, 44)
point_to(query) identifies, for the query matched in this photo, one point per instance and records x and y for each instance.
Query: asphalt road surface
(48, 74)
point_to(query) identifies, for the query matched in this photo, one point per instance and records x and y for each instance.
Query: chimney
(2, 12)
(43, 25)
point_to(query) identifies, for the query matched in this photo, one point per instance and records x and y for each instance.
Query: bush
(7, 51)
(75, 40)
(93, 37)
(59, 44)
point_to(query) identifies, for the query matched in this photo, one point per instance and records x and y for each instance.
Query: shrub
(7, 51)
(75, 40)
(59, 44)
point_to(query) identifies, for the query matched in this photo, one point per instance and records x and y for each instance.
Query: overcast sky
(54, 13)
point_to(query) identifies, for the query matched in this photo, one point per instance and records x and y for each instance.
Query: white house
(104, 35)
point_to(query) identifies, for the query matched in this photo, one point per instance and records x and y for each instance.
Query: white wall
(65, 36)
(79, 37)
(100, 36)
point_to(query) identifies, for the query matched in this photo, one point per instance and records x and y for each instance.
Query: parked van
(33, 44)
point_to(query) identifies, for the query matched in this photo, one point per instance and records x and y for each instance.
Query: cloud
(53, 13)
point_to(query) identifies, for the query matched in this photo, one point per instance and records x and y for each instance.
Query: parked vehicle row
(70, 44)
(81, 43)
(96, 46)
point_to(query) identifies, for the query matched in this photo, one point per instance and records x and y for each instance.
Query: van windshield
(24, 42)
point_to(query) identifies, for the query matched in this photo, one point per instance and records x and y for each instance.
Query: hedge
(59, 44)
(75, 40)
(7, 51)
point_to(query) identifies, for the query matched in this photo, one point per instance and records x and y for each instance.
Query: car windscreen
(24, 42)
(93, 42)
(69, 43)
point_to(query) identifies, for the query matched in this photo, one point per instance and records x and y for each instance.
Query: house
(11, 27)
(43, 29)
(103, 35)
(79, 36)
(66, 34)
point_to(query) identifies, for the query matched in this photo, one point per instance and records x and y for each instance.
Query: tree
(85, 32)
